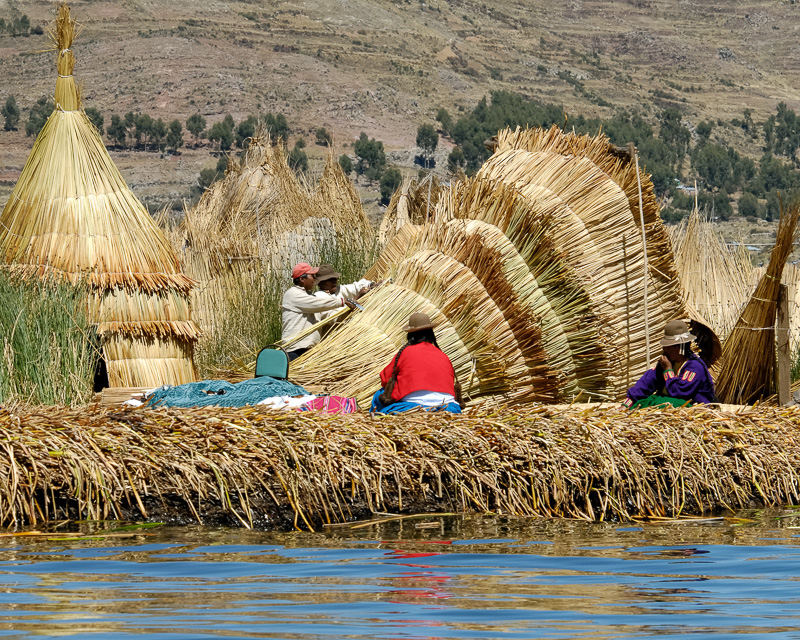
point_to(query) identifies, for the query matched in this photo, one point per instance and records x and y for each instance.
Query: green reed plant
(49, 347)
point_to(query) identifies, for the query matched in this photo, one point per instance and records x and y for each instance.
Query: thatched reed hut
(72, 215)
(536, 271)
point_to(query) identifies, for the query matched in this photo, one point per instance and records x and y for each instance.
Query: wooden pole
(782, 338)
(644, 248)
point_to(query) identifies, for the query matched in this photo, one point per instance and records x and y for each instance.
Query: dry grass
(261, 468)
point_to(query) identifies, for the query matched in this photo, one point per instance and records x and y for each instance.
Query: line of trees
(19, 26)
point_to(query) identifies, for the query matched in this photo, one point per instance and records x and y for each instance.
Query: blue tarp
(219, 393)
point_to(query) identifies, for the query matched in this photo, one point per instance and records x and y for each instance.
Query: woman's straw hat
(676, 332)
(326, 272)
(418, 322)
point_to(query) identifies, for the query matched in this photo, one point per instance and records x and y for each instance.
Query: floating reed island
(306, 470)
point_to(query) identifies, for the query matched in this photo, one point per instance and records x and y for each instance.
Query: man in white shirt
(300, 309)
(327, 280)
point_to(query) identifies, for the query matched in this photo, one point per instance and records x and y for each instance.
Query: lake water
(431, 577)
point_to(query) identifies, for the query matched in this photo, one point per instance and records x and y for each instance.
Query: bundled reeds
(535, 270)
(304, 470)
(747, 367)
(71, 215)
(413, 203)
(715, 278)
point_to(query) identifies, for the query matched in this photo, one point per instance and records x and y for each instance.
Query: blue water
(434, 577)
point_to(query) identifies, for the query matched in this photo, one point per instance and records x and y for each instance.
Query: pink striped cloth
(331, 404)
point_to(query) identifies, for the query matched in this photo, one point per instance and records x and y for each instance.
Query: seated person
(679, 377)
(420, 375)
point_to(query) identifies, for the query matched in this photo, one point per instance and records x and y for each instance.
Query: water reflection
(470, 577)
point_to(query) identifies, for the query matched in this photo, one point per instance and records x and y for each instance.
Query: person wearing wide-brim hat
(327, 279)
(679, 377)
(300, 309)
(420, 375)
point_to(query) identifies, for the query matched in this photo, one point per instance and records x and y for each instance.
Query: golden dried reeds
(747, 367)
(72, 215)
(716, 280)
(413, 203)
(304, 469)
(544, 249)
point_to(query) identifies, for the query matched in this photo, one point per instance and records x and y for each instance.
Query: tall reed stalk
(49, 347)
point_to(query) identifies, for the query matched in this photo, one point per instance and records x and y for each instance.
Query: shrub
(390, 181)
(346, 164)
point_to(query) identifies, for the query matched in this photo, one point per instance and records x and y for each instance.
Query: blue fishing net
(218, 393)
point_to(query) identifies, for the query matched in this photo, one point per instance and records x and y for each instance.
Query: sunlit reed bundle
(747, 368)
(716, 280)
(302, 470)
(413, 203)
(544, 250)
(72, 215)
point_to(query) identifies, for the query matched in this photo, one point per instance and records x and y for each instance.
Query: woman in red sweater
(419, 376)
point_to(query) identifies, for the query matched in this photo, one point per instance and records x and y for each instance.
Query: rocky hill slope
(385, 67)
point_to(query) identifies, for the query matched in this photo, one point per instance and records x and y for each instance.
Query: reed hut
(72, 215)
(546, 272)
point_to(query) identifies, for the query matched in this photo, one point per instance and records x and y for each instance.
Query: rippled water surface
(431, 577)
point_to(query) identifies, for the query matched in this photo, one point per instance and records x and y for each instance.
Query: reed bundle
(747, 367)
(544, 238)
(302, 469)
(716, 280)
(413, 203)
(72, 215)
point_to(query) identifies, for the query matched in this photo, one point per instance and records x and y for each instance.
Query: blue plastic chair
(272, 362)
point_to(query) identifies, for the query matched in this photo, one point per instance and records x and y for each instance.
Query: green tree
(96, 118)
(222, 133)
(371, 157)
(298, 159)
(196, 125)
(323, 137)
(390, 181)
(175, 136)
(209, 176)
(748, 206)
(142, 129)
(704, 131)
(456, 160)
(159, 134)
(673, 133)
(444, 119)
(245, 131)
(117, 130)
(427, 141)
(346, 164)
(11, 113)
(277, 127)
(38, 115)
(713, 165)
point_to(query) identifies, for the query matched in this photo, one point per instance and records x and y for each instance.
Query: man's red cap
(303, 268)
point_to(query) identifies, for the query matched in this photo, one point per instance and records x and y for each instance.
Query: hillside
(386, 67)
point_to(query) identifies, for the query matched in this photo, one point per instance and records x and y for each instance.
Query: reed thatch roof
(71, 214)
(535, 269)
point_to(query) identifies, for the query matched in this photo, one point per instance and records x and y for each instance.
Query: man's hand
(361, 292)
(349, 304)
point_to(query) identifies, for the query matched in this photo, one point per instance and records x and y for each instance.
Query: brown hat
(326, 272)
(676, 332)
(418, 322)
